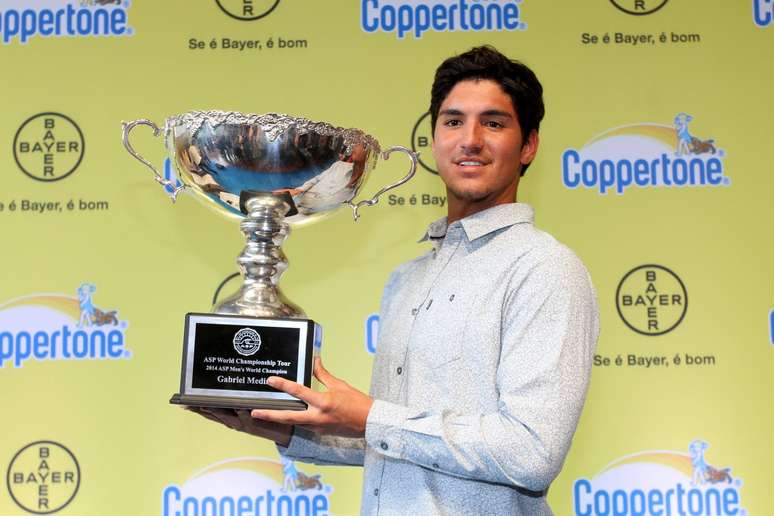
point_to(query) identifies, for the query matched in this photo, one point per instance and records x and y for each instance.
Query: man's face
(478, 146)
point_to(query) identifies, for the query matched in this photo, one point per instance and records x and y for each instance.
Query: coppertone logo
(247, 342)
(660, 482)
(639, 7)
(43, 327)
(247, 10)
(421, 139)
(371, 333)
(23, 20)
(43, 477)
(651, 300)
(248, 485)
(48, 146)
(771, 327)
(416, 17)
(645, 156)
(763, 12)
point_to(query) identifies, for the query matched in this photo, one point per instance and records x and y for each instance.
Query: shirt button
(435, 465)
(414, 311)
(400, 370)
(384, 445)
(451, 297)
(376, 492)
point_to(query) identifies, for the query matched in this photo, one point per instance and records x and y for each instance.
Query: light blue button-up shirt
(485, 351)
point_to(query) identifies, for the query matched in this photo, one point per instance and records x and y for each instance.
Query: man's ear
(529, 147)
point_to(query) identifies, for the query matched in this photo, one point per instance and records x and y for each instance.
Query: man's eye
(452, 122)
(494, 124)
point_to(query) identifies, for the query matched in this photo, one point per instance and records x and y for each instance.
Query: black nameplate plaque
(228, 358)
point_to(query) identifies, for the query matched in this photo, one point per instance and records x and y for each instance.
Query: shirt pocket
(439, 329)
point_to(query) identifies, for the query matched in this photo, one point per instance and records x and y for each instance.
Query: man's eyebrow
(488, 112)
(497, 112)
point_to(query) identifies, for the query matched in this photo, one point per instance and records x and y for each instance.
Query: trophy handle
(386, 155)
(127, 127)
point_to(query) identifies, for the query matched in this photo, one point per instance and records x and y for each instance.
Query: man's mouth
(471, 163)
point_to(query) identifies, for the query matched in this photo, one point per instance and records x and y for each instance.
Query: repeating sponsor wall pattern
(655, 166)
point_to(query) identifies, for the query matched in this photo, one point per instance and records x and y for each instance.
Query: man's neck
(458, 209)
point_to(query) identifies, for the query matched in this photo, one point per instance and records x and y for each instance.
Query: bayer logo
(421, 139)
(48, 146)
(247, 10)
(639, 7)
(651, 300)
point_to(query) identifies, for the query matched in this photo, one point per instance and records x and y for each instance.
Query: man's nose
(472, 138)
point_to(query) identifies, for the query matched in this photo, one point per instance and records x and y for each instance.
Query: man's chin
(472, 196)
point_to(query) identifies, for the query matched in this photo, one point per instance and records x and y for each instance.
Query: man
(486, 342)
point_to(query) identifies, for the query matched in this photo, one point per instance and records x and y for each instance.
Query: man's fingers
(295, 389)
(219, 412)
(245, 418)
(322, 374)
(287, 417)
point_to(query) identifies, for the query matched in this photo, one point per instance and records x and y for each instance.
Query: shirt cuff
(384, 428)
(298, 445)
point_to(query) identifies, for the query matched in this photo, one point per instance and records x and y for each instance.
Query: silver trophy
(270, 171)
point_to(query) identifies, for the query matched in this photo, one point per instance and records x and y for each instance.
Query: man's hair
(485, 62)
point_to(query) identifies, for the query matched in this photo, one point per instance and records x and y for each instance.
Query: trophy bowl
(219, 155)
(269, 172)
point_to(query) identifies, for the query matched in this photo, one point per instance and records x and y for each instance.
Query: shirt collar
(484, 222)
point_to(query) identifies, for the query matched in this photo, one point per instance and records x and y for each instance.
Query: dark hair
(485, 62)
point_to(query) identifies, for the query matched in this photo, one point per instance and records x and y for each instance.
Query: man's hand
(341, 410)
(241, 421)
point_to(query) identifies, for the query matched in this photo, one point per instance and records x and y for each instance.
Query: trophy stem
(262, 262)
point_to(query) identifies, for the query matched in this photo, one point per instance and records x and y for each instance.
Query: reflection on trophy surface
(222, 154)
(269, 171)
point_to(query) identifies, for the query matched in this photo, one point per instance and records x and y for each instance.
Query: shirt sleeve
(307, 446)
(550, 325)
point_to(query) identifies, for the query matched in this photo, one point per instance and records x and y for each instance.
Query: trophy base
(228, 359)
(232, 403)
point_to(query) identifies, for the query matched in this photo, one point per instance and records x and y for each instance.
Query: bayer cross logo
(247, 342)
(651, 300)
(247, 10)
(421, 138)
(639, 7)
(43, 477)
(48, 146)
